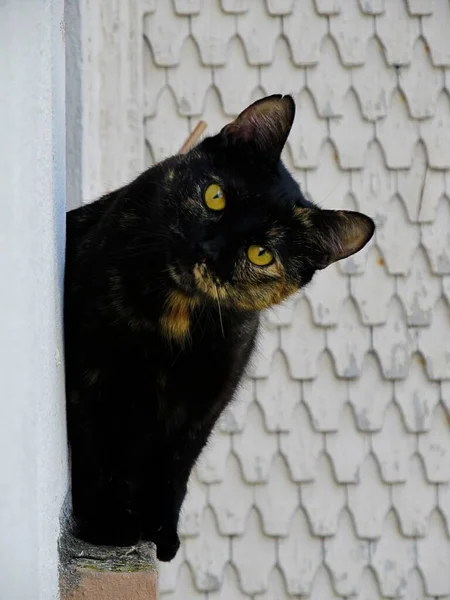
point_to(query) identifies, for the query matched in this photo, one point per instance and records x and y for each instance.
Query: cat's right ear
(339, 234)
(265, 125)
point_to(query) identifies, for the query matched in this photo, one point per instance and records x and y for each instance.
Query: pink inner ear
(243, 127)
(339, 233)
(249, 122)
(352, 232)
(267, 122)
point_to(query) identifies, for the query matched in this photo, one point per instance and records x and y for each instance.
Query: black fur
(151, 359)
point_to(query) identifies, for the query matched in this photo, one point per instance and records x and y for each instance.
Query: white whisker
(220, 311)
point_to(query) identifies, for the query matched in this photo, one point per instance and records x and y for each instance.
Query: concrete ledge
(107, 573)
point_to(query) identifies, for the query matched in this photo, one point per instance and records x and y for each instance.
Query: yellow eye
(214, 197)
(260, 256)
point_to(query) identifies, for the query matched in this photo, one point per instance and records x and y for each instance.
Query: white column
(113, 140)
(33, 457)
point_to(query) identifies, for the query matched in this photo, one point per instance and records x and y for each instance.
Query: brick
(308, 132)
(326, 308)
(278, 385)
(302, 446)
(323, 499)
(231, 499)
(373, 289)
(419, 291)
(329, 80)
(373, 82)
(281, 76)
(369, 395)
(435, 32)
(392, 558)
(162, 145)
(259, 31)
(433, 133)
(434, 346)
(255, 447)
(434, 447)
(166, 32)
(417, 397)
(190, 98)
(277, 500)
(193, 507)
(213, 41)
(397, 32)
(300, 555)
(351, 29)
(346, 556)
(398, 248)
(420, 83)
(351, 149)
(279, 7)
(393, 446)
(436, 237)
(414, 500)
(304, 29)
(236, 80)
(369, 500)
(325, 396)
(108, 573)
(435, 566)
(322, 586)
(410, 182)
(207, 554)
(303, 351)
(349, 342)
(254, 574)
(347, 448)
(397, 133)
(374, 185)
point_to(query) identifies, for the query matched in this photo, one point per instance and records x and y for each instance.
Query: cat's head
(241, 231)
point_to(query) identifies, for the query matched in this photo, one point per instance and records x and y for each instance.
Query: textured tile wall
(330, 476)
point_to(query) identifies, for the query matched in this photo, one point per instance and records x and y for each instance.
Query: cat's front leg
(163, 495)
(160, 514)
(165, 491)
(102, 497)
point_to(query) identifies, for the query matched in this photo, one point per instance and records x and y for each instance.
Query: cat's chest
(200, 377)
(204, 365)
(150, 382)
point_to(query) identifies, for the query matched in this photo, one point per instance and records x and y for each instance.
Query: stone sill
(107, 573)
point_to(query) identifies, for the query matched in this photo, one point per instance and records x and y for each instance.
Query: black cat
(165, 280)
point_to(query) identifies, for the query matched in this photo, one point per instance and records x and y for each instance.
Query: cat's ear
(265, 124)
(339, 234)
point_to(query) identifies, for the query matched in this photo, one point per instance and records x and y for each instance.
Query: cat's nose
(209, 249)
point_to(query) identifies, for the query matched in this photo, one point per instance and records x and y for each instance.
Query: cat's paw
(165, 537)
(167, 547)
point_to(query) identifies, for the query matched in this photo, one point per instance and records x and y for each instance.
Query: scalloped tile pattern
(329, 477)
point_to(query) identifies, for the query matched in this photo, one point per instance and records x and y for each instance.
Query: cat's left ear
(339, 234)
(265, 125)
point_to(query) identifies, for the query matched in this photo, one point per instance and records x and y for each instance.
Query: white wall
(105, 134)
(330, 477)
(33, 461)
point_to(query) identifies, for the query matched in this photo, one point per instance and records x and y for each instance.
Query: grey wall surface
(329, 478)
(33, 457)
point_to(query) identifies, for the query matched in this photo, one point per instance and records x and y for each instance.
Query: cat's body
(163, 293)
(141, 408)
